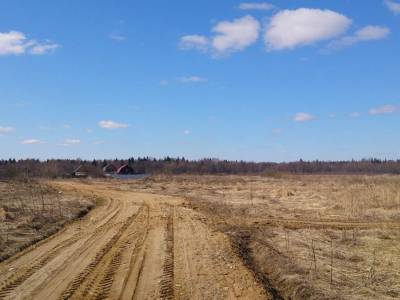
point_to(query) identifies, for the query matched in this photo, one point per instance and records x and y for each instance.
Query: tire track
(77, 283)
(136, 263)
(167, 282)
(100, 285)
(20, 276)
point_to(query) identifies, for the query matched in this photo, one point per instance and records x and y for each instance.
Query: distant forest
(56, 168)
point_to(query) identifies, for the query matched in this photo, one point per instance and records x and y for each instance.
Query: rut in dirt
(241, 244)
(167, 283)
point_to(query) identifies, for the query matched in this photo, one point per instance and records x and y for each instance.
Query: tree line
(56, 168)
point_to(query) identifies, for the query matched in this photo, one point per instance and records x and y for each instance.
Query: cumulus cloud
(6, 129)
(365, 34)
(229, 37)
(197, 42)
(255, 6)
(303, 117)
(236, 35)
(192, 79)
(393, 6)
(108, 124)
(16, 43)
(384, 109)
(289, 29)
(31, 142)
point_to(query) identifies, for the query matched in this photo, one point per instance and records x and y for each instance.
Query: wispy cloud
(194, 41)
(384, 109)
(289, 29)
(186, 132)
(365, 34)
(393, 6)
(354, 114)
(98, 142)
(40, 49)
(256, 6)
(229, 37)
(70, 142)
(192, 79)
(164, 82)
(108, 124)
(6, 129)
(31, 142)
(118, 37)
(16, 43)
(303, 117)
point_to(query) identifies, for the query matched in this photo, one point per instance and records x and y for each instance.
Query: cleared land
(134, 246)
(219, 237)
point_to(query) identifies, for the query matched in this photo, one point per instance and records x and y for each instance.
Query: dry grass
(31, 211)
(312, 237)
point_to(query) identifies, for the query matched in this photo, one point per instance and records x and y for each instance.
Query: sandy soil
(134, 246)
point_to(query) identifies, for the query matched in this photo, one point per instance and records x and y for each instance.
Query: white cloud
(367, 33)
(98, 142)
(354, 114)
(236, 35)
(6, 129)
(31, 142)
(229, 37)
(393, 6)
(303, 117)
(256, 6)
(186, 132)
(107, 124)
(118, 37)
(16, 43)
(197, 42)
(72, 141)
(332, 115)
(304, 26)
(384, 109)
(192, 79)
(40, 49)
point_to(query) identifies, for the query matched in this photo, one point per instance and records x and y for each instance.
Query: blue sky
(259, 81)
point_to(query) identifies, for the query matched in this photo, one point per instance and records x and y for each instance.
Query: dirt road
(135, 246)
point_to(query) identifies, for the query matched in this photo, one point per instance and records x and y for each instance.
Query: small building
(80, 172)
(109, 169)
(125, 170)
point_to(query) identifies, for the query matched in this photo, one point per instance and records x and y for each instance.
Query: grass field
(31, 211)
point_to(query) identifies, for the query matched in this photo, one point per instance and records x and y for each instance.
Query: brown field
(205, 237)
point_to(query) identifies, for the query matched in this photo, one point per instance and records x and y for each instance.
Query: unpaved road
(135, 246)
